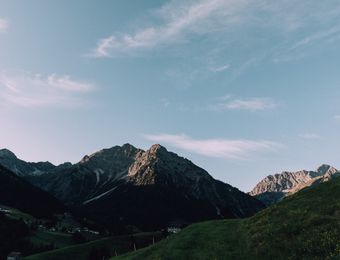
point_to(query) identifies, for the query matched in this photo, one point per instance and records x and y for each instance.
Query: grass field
(107, 246)
(59, 240)
(208, 240)
(303, 226)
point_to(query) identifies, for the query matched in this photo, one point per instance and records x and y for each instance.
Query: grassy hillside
(58, 240)
(97, 249)
(303, 226)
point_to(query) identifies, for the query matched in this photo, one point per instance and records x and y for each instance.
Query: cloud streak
(318, 36)
(177, 18)
(3, 25)
(310, 136)
(220, 68)
(249, 104)
(228, 20)
(219, 148)
(34, 90)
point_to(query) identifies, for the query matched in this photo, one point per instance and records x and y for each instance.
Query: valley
(124, 199)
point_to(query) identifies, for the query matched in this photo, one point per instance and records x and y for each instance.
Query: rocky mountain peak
(128, 146)
(158, 165)
(326, 169)
(275, 187)
(5, 153)
(323, 168)
(157, 148)
(113, 153)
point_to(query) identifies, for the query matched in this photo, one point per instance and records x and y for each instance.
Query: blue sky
(242, 88)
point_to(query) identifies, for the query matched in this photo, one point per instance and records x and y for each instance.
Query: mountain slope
(124, 186)
(21, 168)
(93, 176)
(162, 189)
(17, 193)
(274, 187)
(305, 225)
(100, 249)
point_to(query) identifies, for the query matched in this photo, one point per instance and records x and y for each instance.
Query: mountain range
(126, 186)
(275, 187)
(124, 190)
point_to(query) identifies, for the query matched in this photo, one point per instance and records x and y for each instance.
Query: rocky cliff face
(158, 166)
(275, 187)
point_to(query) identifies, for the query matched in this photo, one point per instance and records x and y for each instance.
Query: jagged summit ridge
(275, 187)
(107, 152)
(159, 165)
(157, 148)
(326, 169)
(156, 185)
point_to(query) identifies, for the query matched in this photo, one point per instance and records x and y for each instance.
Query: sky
(243, 88)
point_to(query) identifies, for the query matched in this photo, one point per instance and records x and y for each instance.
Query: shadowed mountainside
(126, 186)
(17, 193)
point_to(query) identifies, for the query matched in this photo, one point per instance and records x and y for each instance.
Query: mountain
(126, 186)
(305, 225)
(17, 193)
(21, 168)
(94, 176)
(275, 187)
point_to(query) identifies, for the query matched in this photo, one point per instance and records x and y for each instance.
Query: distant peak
(323, 168)
(128, 146)
(7, 153)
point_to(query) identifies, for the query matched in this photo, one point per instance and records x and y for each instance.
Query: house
(5, 210)
(173, 230)
(176, 225)
(14, 256)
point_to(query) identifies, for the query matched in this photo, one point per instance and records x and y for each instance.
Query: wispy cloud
(34, 90)
(310, 136)
(220, 148)
(318, 36)
(177, 17)
(3, 25)
(227, 21)
(220, 68)
(250, 104)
